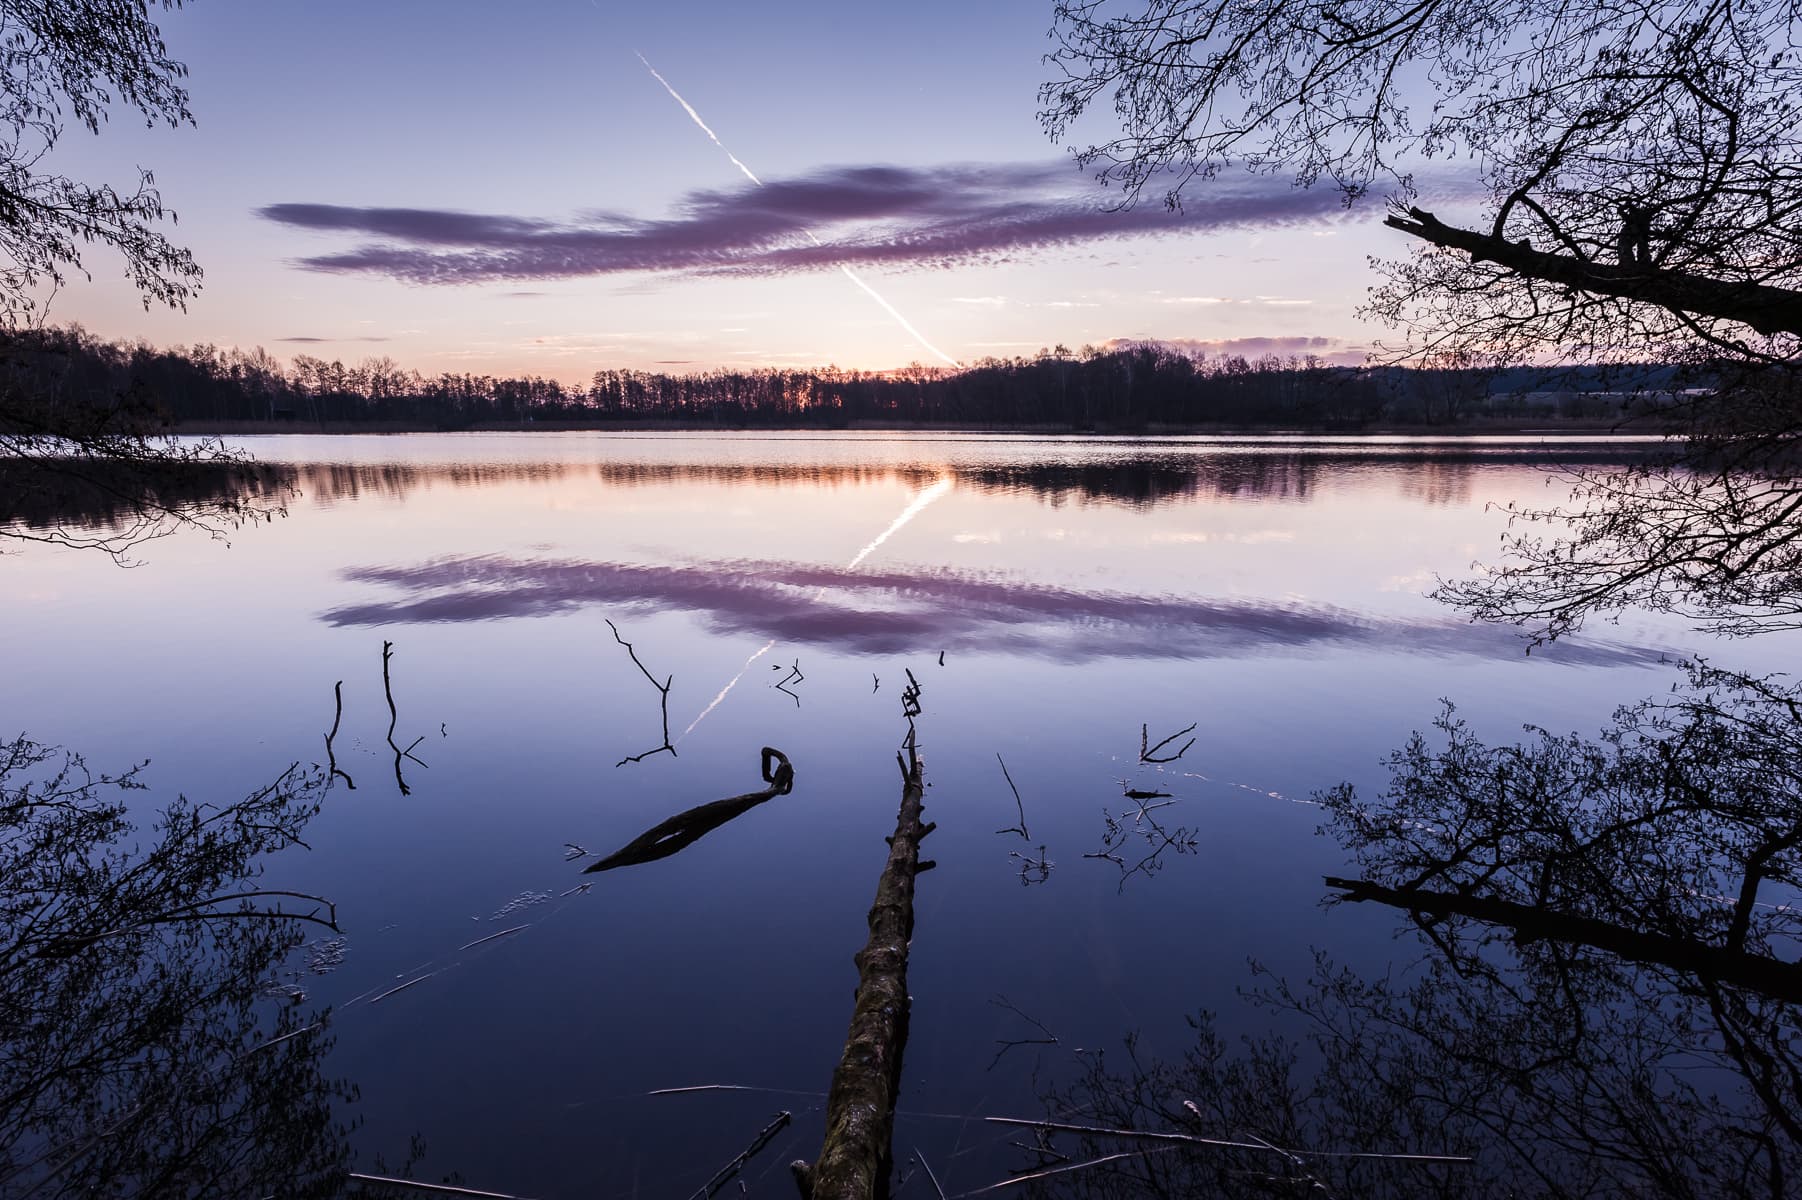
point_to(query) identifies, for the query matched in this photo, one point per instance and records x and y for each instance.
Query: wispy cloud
(917, 217)
(1327, 349)
(314, 341)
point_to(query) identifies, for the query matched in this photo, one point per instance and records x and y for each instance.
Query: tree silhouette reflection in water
(1607, 999)
(140, 1054)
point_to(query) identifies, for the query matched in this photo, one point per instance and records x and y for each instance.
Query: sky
(511, 190)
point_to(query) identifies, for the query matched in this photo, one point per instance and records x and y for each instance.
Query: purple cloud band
(893, 612)
(844, 216)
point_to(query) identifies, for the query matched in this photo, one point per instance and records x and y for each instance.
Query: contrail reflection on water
(914, 508)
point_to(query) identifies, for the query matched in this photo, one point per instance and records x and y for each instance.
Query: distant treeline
(1130, 388)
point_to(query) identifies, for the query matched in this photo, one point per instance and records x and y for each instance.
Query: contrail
(853, 276)
(914, 507)
(696, 118)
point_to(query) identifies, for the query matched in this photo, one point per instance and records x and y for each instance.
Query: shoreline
(1469, 429)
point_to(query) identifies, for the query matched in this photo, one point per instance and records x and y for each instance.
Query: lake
(1061, 603)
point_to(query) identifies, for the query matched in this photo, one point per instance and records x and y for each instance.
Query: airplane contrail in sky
(853, 276)
(926, 496)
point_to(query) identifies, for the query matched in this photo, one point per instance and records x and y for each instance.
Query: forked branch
(1149, 754)
(663, 699)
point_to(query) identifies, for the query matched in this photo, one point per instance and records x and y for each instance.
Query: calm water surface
(1052, 598)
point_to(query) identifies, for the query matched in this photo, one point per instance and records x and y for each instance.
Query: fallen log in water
(856, 1157)
(686, 828)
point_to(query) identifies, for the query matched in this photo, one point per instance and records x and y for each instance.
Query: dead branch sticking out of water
(394, 719)
(337, 716)
(663, 697)
(1118, 833)
(794, 676)
(686, 828)
(857, 1154)
(1191, 1139)
(1149, 754)
(441, 1188)
(724, 1175)
(1033, 870)
(1021, 827)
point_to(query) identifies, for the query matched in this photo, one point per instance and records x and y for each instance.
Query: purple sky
(462, 187)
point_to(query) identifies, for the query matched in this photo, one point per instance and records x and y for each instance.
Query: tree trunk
(856, 1156)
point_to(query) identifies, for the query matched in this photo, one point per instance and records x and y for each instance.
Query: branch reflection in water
(1606, 1000)
(137, 1058)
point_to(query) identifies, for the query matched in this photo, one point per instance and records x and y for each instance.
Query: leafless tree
(73, 61)
(1638, 185)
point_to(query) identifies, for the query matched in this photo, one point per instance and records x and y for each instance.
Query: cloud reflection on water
(895, 612)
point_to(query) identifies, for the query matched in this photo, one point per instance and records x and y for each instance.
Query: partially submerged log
(686, 828)
(856, 1158)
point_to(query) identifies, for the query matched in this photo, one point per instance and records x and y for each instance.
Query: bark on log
(856, 1157)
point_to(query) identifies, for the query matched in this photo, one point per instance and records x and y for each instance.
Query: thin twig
(1029, 865)
(393, 718)
(1021, 828)
(794, 676)
(927, 1167)
(433, 1187)
(1147, 1135)
(1050, 1038)
(1149, 754)
(734, 1087)
(663, 696)
(724, 1175)
(1093, 1162)
(330, 758)
(402, 987)
(503, 933)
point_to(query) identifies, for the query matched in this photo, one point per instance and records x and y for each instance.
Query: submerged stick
(724, 1175)
(686, 828)
(857, 1154)
(444, 1188)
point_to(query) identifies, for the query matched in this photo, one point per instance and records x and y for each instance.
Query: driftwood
(857, 1154)
(686, 828)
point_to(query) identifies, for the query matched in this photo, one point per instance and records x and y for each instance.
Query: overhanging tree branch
(1769, 310)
